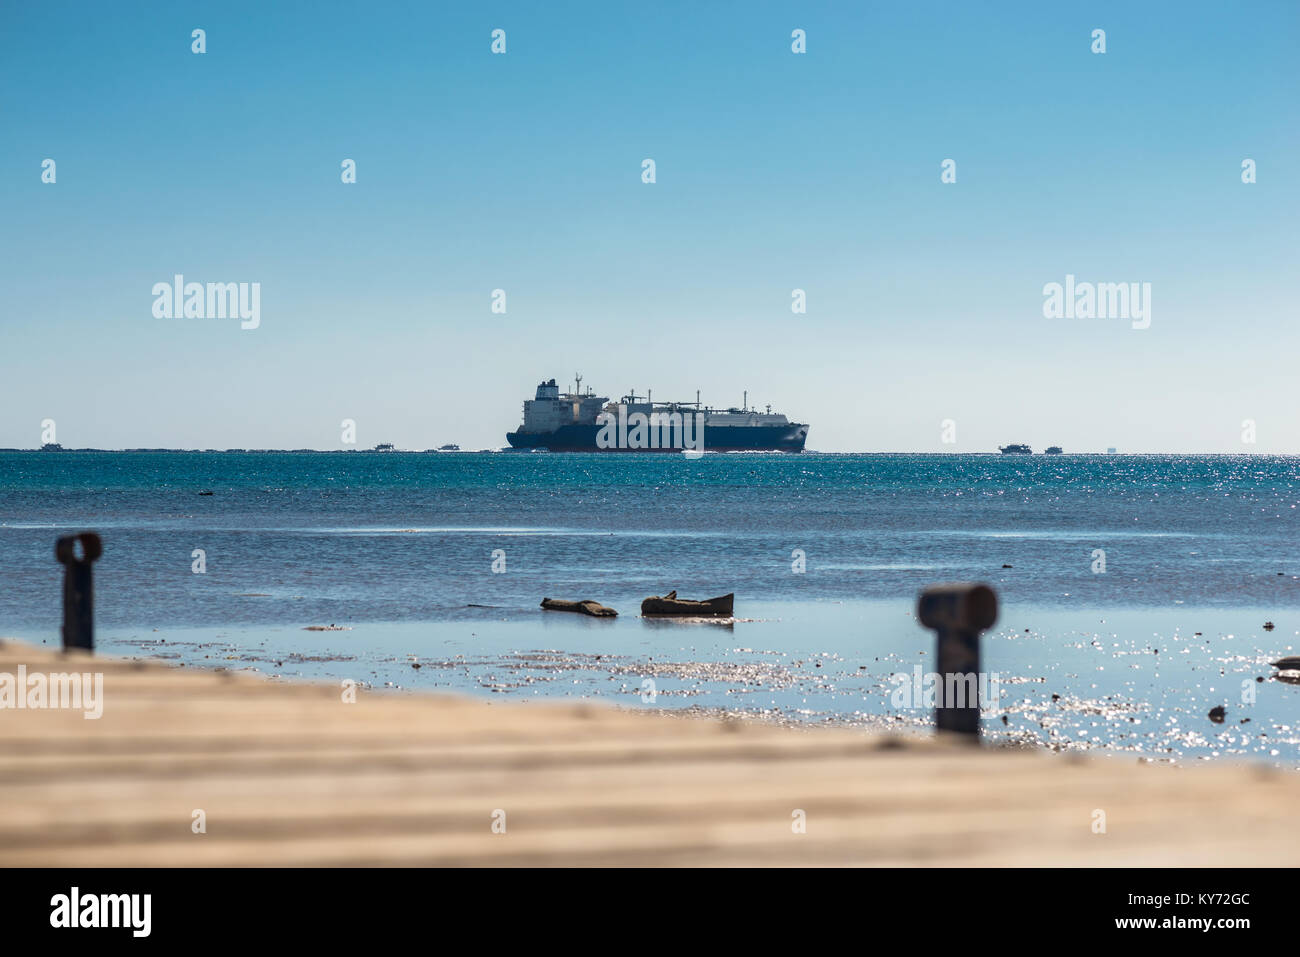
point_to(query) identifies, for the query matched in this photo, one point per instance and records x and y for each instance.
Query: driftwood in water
(588, 607)
(670, 604)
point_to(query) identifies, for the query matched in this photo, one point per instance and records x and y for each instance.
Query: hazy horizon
(1038, 451)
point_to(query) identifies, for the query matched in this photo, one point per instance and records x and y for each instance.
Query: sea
(1137, 593)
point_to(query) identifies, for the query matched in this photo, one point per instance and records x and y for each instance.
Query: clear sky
(775, 171)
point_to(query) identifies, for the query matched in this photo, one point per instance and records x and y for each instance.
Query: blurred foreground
(205, 768)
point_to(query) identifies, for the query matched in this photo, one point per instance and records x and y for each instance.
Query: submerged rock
(587, 607)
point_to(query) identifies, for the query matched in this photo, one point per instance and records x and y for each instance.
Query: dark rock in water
(1218, 713)
(670, 604)
(588, 607)
(1289, 663)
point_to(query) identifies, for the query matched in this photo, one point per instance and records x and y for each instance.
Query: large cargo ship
(580, 421)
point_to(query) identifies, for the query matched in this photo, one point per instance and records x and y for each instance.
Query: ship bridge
(552, 409)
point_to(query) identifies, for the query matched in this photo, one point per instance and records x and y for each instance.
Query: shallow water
(1140, 681)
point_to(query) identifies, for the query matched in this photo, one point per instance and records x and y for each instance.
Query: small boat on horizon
(1015, 450)
(1052, 450)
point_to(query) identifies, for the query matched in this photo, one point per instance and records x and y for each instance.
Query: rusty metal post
(78, 588)
(958, 613)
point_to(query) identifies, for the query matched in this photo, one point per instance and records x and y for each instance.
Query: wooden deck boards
(289, 774)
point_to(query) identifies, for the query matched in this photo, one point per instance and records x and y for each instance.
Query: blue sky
(775, 171)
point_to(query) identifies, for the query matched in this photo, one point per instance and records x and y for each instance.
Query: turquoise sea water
(400, 550)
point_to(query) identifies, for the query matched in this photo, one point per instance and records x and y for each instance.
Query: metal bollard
(78, 588)
(958, 613)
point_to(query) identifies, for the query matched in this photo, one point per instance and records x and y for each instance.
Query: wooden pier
(291, 774)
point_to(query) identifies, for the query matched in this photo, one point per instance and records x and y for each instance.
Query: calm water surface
(399, 549)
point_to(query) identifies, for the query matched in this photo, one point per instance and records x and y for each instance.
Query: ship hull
(720, 438)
